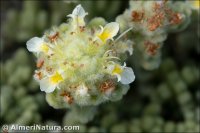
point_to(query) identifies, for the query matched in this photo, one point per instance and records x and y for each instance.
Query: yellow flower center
(117, 70)
(44, 48)
(104, 36)
(56, 78)
(80, 20)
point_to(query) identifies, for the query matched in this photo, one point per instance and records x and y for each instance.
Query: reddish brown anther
(39, 75)
(155, 21)
(153, 26)
(40, 63)
(176, 18)
(151, 48)
(137, 16)
(173, 17)
(49, 69)
(82, 28)
(67, 97)
(107, 85)
(53, 37)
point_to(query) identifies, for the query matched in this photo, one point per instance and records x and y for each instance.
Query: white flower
(124, 74)
(109, 31)
(49, 84)
(37, 45)
(78, 16)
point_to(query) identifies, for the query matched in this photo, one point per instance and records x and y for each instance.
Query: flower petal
(127, 76)
(47, 86)
(109, 31)
(34, 44)
(78, 15)
(79, 11)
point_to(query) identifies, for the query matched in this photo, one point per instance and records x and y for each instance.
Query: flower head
(72, 60)
(150, 22)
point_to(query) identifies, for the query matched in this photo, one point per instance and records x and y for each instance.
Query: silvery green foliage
(33, 18)
(20, 25)
(173, 85)
(79, 114)
(17, 103)
(82, 64)
(150, 22)
(96, 8)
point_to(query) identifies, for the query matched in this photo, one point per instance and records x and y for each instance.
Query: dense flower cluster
(81, 64)
(150, 21)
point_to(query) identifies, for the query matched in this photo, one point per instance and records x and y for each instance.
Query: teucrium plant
(82, 64)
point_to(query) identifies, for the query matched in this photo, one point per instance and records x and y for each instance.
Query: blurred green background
(162, 100)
